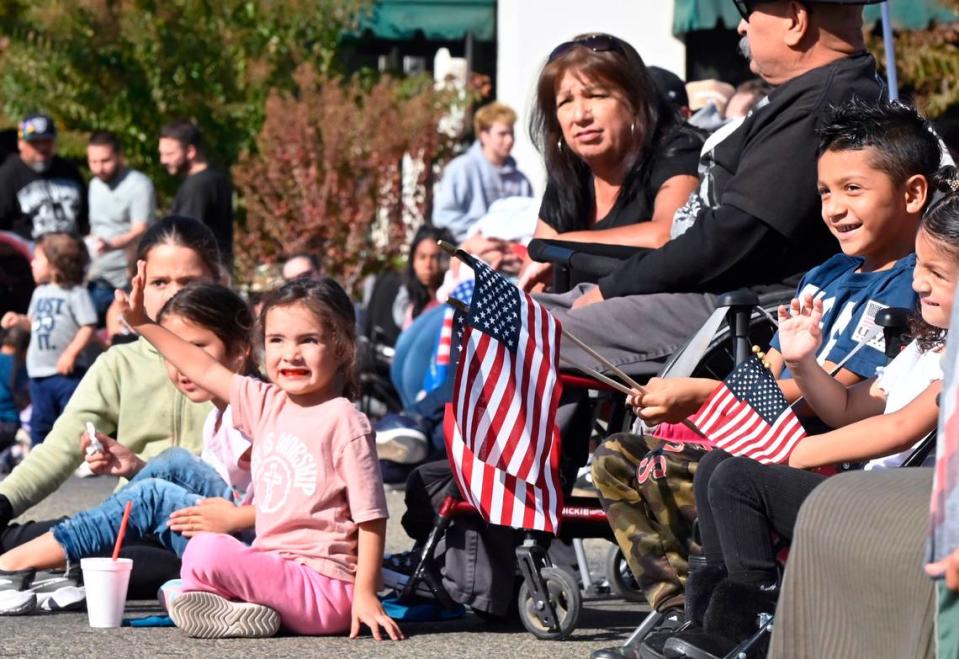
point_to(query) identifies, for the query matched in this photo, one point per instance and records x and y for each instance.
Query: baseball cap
(670, 85)
(37, 127)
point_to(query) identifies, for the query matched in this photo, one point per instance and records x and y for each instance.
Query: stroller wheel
(620, 577)
(566, 601)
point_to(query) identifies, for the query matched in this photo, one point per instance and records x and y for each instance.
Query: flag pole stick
(462, 308)
(451, 250)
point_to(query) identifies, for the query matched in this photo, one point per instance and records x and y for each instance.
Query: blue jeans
(414, 349)
(48, 397)
(102, 293)
(173, 480)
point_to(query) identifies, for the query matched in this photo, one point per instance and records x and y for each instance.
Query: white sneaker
(17, 602)
(207, 615)
(68, 598)
(399, 440)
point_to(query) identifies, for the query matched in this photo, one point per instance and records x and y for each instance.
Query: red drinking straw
(123, 529)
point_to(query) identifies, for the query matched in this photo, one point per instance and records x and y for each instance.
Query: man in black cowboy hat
(755, 220)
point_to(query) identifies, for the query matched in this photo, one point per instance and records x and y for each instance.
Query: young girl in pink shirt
(320, 507)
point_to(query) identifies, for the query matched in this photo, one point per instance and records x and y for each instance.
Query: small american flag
(748, 415)
(439, 364)
(504, 445)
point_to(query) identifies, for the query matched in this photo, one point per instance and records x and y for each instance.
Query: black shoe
(731, 618)
(697, 644)
(398, 568)
(672, 621)
(700, 585)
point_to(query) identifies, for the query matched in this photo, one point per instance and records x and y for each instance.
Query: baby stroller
(549, 599)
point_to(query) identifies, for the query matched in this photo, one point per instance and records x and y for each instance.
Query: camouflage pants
(646, 488)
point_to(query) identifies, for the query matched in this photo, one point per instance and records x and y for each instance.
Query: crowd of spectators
(805, 179)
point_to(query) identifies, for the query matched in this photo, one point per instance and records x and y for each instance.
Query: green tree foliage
(927, 62)
(132, 65)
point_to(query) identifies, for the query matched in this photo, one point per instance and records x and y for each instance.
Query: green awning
(912, 14)
(692, 15)
(437, 20)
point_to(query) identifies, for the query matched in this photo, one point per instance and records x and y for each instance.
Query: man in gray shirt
(122, 204)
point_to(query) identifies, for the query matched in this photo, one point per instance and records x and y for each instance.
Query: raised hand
(799, 329)
(131, 306)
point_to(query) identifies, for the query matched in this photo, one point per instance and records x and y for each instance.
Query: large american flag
(748, 415)
(504, 444)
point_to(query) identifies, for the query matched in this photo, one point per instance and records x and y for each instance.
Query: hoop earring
(559, 144)
(632, 128)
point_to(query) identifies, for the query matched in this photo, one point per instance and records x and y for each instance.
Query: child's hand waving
(131, 306)
(799, 329)
(367, 610)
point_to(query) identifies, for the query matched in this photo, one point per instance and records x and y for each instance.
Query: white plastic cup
(106, 581)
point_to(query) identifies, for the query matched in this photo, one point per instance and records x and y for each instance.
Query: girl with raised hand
(126, 395)
(177, 494)
(320, 506)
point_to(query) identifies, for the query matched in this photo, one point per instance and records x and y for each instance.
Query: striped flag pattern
(748, 415)
(439, 364)
(504, 444)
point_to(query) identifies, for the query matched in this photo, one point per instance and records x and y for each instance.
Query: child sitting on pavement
(321, 512)
(176, 495)
(875, 167)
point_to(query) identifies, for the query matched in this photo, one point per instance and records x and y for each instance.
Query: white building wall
(528, 30)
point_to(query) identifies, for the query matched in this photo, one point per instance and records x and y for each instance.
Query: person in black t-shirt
(619, 159)
(206, 194)
(41, 192)
(755, 219)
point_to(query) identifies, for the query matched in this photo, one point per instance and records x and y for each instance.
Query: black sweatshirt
(757, 217)
(32, 203)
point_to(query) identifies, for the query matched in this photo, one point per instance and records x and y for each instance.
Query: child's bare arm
(670, 400)
(879, 435)
(791, 391)
(192, 361)
(366, 606)
(69, 355)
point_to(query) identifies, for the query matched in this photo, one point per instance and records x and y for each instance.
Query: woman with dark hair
(619, 160)
(127, 396)
(424, 272)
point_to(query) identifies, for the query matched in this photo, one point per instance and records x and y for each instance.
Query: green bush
(132, 65)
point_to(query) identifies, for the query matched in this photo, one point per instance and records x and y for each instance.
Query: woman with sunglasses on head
(619, 160)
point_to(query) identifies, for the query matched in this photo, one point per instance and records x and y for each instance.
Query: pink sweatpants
(308, 602)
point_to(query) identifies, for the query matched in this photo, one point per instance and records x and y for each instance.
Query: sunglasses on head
(598, 43)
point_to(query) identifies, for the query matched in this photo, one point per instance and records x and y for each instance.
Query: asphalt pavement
(603, 622)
